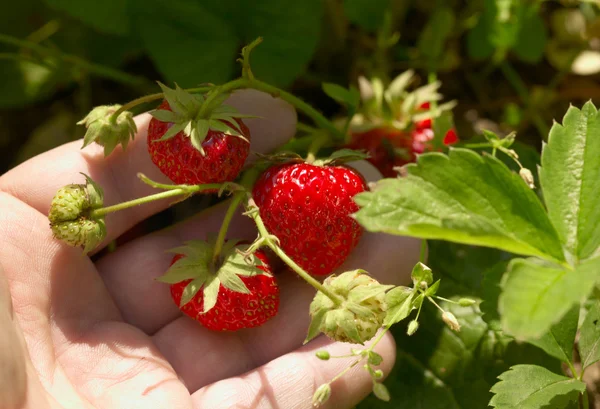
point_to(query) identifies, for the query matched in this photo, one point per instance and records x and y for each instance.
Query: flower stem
(97, 69)
(423, 253)
(235, 202)
(262, 229)
(97, 213)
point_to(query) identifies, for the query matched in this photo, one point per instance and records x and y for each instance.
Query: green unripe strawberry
(81, 232)
(68, 203)
(360, 313)
(70, 215)
(106, 131)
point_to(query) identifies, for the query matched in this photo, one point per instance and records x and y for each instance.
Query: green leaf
(435, 34)
(534, 387)
(465, 198)
(559, 341)
(193, 42)
(589, 339)
(400, 303)
(537, 294)
(369, 14)
(421, 273)
(491, 290)
(437, 368)
(108, 16)
(531, 40)
(570, 182)
(349, 97)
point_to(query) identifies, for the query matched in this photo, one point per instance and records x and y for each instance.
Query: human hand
(107, 335)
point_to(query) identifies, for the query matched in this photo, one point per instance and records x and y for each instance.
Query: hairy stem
(262, 229)
(97, 69)
(96, 213)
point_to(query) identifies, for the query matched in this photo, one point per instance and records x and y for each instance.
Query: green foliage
(533, 387)
(464, 198)
(190, 40)
(569, 178)
(589, 341)
(109, 16)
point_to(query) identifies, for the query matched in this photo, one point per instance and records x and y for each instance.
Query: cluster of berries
(305, 204)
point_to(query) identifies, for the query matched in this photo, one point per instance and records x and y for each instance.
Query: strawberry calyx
(341, 156)
(195, 115)
(207, 276)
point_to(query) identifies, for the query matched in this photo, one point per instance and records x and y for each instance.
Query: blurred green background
(510, 65)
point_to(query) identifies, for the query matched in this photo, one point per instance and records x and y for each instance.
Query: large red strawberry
(234, 297)
(195, 145)
(308, 207)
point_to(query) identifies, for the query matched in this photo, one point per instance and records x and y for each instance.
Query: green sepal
(196, 116)
(421, 273)
(191, 290)
(399, 303)
(432, 290)
(196, 265)
(375, 358)
(341, 156)
(315, 325)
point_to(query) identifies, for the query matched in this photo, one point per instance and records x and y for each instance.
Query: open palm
(107, 335)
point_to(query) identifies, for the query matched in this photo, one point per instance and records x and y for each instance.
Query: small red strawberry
(308, 207)
(234, 297)
(196, 144)
(389, 147)
(394, 125)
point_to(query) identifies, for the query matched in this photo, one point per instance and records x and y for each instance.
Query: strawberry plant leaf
(537, 294)
(368, 14)
(188, 39)
(437, 368)
(465, 198)
(534, 387)
(589, 339)
(532, 38)
(559, 341)
(433, 37)
(107, 16)
(191, 290)
(569, 179)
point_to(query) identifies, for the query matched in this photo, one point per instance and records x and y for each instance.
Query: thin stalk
(235, 202)
(423, 251)
(100, 70)
(97, 213)
(291, 263)
(247, 181)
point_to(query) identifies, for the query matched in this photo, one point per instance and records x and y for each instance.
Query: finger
(81, 351)
(291, 380)
(36, 181)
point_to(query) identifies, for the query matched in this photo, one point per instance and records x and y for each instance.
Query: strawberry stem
(97, 69)
(262, 230)
(187, 190)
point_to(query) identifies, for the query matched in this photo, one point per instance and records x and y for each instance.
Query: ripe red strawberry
(223, 158)
(308, 208)
(389, 147)
(232, 310)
